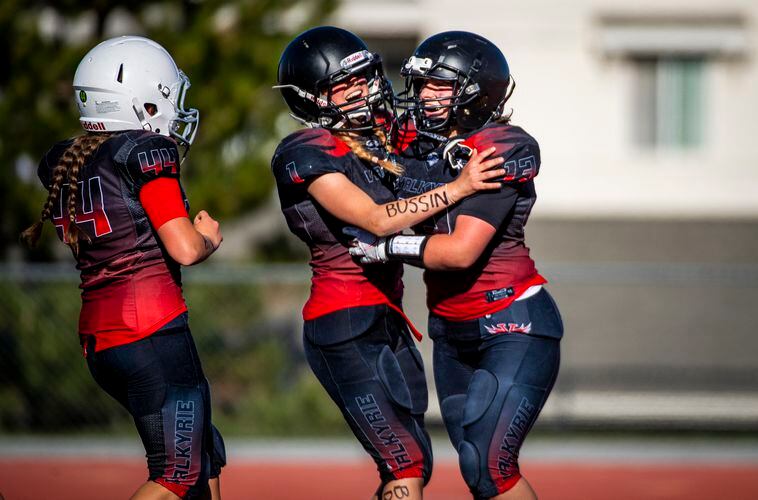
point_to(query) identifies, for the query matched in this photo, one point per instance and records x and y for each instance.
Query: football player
(339, 172)
(496, 329)
(115, 199)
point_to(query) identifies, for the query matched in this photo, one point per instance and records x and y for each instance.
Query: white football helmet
(131, 82)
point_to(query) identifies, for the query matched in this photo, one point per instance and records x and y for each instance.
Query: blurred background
(646, 224)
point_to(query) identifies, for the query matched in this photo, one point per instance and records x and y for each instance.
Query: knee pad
(425, 443)
(468, 460)
(501, 427)
(218, 457)
(392, 378)
(479, 425)
(452, 415)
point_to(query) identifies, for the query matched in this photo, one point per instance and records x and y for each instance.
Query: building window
(669, 107)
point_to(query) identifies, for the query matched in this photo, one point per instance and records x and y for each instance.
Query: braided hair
(360, 152)
(68, 169)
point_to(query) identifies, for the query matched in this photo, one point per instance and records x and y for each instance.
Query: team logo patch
(508, 328)
(82, 96)
(499, 294)
(431, 159)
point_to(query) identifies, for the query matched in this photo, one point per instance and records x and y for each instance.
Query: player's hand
(365, 247)
(208, 227)
(479, 174)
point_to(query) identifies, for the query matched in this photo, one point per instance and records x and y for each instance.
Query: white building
(642, 109)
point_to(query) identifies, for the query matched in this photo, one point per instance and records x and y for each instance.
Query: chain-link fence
(661, 345)
(246, 324)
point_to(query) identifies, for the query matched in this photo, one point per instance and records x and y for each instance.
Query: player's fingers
(492, 163)
(478, 156)
(492, 174)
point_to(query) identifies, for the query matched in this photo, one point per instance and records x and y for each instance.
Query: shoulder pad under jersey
(50, 160)
(307, 154)
(520, 150)
(145, 156)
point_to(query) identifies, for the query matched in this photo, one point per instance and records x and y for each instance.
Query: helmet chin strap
(432, 135)
(140, 115)
(437, 137)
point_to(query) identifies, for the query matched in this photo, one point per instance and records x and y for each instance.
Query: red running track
(98, 479)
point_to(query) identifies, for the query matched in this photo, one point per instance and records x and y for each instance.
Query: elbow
(458, 264)
(381, 226)
(458, 260)
(185, 255)
(186, 259)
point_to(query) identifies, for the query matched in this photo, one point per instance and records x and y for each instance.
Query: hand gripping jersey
(505, 269)
(338, 282)
(130, 286)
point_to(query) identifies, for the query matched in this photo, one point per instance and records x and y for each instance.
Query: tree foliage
(228, 49)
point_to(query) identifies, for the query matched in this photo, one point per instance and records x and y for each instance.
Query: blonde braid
(69, 166)
(31, 235)
(364, 155)
(82, 150)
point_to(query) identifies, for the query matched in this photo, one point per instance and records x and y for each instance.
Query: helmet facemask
(417, 71)
(185, 123)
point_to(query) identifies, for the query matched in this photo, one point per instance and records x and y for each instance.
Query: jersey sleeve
(519, 150)
(490, 206)
(297, 166)
(44, 172)
(148, 158)
(50, 160)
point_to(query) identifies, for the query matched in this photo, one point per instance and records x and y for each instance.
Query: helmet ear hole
(151, 108)
(120, 75)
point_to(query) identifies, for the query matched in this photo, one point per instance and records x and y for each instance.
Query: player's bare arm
(191, 243)
(345, 200)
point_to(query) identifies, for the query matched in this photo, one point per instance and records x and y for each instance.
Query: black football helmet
(478, 69)
(321, 57)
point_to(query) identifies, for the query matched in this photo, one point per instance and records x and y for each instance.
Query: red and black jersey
(130, 286)
(505, 269)
(338, 282)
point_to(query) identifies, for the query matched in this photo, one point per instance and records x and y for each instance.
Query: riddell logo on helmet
(93, 126)
(354, 58)
(509, 328)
